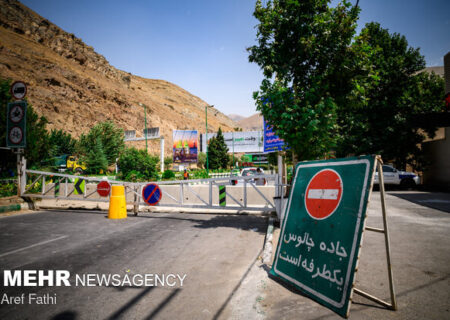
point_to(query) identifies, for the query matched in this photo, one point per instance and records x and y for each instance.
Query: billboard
(130, 134)
(151, 133)
(272, 142)
(184, 146)
(247, 141)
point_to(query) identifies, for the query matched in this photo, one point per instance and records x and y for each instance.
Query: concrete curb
(14, 207)
(268, 244)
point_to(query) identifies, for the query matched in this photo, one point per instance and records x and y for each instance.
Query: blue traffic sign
(151, 194)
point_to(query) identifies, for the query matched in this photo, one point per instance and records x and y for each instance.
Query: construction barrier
(117, 203)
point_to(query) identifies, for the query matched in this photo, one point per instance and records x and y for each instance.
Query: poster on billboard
(272, 142)
(247, 141)
(184, 146)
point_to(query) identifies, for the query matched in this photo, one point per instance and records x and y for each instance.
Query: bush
(134, 176)
(199, 174)
(168, 175)
(138, 165)
(8, 189)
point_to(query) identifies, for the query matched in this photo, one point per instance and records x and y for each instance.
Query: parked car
(393, 176)
(250, 171)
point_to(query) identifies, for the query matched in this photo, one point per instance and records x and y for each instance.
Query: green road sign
(79, 186)
(320, 238)
(16, 124)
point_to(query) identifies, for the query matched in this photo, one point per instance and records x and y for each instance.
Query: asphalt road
(215, 252)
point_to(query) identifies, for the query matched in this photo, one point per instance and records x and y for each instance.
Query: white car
(395, 177)
(251, 171)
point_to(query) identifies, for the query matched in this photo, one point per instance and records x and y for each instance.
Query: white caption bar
(327, 194)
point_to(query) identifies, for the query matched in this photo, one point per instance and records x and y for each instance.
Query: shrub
(168, 175)
(137, 164)
(8, 189)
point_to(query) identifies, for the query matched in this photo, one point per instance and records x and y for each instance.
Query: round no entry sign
(103, 188)
(151, 194)
(323, 194)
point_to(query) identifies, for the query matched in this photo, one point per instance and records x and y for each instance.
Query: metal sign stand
(20, 171)
(393, 304)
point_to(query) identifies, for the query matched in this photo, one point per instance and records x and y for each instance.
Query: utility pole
(206, 136)
(145, 122)
(232, 137)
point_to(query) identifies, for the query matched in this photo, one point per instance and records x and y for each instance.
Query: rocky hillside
(74, 87)
(254, 122)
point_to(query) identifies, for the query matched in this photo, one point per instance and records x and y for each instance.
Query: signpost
(322, 230)
(151, 194)
(16, 124)
(103, 188)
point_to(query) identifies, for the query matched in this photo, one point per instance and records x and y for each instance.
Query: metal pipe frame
(393, 304)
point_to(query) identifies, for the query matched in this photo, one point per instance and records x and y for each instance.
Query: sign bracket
(393, 304)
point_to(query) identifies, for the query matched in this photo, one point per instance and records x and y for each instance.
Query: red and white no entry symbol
(104, 188)
(323, 194)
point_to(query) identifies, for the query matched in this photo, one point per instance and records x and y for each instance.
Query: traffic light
(16, 124)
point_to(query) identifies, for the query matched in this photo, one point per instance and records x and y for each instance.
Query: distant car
(246, 172)
(393, 176)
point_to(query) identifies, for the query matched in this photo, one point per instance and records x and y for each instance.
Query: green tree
(96, 158)
(218, 152)
(61, 143)
(395, 96)
(137, 165)
(167, 162)
(111, 138)
(37, 142)
(302, 48)
(201, 160)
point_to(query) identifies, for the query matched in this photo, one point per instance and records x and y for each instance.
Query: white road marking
(327, 194)
(32, 246)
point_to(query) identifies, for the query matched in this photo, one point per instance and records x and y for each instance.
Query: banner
(272, 142)
(247, 141)
(184, 146)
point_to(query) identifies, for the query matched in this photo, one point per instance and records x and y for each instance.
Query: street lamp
(206, 136)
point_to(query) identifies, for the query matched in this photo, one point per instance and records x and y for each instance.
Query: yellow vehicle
(75, 165)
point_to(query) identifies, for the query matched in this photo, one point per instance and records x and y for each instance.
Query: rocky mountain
(235, 117)
(74, 87)
(254, 122)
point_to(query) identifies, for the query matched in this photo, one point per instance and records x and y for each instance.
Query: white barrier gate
(246, 195)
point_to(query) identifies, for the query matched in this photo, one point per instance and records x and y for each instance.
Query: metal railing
(246, 195)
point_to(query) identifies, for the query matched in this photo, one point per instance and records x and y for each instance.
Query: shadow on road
(65, 315)
(243, 222)
(434, 200)
(163, 304)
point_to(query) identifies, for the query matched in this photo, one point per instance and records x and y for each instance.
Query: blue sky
(200, 44)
